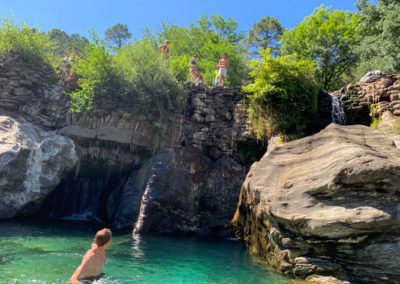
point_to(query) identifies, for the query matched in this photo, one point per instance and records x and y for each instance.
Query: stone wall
(32, 92)
(216, 119)
(375, 95)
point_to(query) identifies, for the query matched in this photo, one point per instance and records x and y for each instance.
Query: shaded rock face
(33, 92)
(326, 204)
(182, 191)
(32, 163)
(375, 94)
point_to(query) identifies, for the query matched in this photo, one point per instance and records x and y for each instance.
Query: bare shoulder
(88, 255)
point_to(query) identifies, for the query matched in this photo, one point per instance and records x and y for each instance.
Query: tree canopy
(283, 90)
(380, 29)
(65, 43)
(209, 37)
(117, 34)
(265, 34)
(328, 37)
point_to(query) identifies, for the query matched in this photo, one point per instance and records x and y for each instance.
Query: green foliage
(208, 38)
(283, 90)
(266, 34)
(18, 39)
(251, 151)
(64, 43)
(283, 139)
(376, 122)
(99, 78)
(152, 87)
(117, 34)
(380, 29)
(328, 37)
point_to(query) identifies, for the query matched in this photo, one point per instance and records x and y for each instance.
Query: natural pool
(49, 253)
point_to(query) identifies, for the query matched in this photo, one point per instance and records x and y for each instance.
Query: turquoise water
(48, 253)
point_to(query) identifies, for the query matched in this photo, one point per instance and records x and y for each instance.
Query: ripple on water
(44, 253)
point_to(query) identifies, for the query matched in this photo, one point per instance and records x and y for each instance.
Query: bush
(152, 87)
(282, 92)
(99, 78)
(26, 43)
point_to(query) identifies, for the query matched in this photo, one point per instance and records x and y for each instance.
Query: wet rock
(32, 163)
(185, 192)
(331, 198)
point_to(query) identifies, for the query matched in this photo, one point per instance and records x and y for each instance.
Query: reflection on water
(44, 253)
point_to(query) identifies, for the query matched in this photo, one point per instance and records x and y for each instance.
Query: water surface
(49, 253)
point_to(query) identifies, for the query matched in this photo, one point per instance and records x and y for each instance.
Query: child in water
(93, 261)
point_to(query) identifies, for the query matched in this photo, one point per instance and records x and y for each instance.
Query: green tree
(328, 37)
(117, 34)
(380, 44)
(265, 34)
(282, 92)
(209, 37)
(65, 43)
(100, 79)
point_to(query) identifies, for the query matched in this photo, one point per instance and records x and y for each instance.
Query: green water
(49, 253)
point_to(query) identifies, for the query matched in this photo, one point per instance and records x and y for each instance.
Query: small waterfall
(338, 114)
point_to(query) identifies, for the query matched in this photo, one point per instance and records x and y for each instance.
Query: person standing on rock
(94, 259)
(223, 66)
(164, 48)
(193, 67)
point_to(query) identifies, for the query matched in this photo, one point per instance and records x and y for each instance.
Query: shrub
(152, 87)
(282, 92)
(99, 78)
(376, 122)
(18, 39)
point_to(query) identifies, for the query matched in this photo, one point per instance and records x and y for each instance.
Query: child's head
(195, 56)
(102, 237)
(224, 55)
(166, 42)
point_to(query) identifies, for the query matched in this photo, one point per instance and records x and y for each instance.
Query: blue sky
(77, 16)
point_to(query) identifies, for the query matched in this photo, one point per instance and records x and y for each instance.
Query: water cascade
(338, 114)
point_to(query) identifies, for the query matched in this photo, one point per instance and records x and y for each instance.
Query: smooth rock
(32, 163)
(335, 195)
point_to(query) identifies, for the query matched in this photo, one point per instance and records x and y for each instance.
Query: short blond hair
(102, 237)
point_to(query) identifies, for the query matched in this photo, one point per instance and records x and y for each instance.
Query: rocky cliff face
(376, 95)
(181, 190)
(114, 143)
(32, 163)
(326, 204)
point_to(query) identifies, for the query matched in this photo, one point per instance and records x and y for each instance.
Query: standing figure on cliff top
(193, 67)
(164, 48)
(223, 66)
(199, 78)
(93, 261)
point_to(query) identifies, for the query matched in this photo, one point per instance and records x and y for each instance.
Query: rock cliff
(377, 95)
(32, 163)
(114, 145)
(326, 204)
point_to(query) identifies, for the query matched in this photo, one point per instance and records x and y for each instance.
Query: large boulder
(32, 163)
(326, 204)
(184, 191)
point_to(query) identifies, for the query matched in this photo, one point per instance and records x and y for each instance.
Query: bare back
(92, 264)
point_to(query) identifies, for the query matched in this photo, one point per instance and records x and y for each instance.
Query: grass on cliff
(18, 40)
